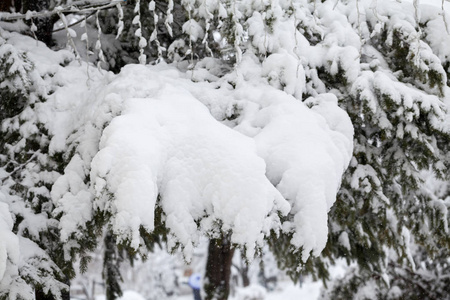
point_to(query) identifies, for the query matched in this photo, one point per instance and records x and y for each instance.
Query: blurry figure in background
(195, 283)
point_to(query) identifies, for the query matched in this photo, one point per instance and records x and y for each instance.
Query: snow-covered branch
(79, 7)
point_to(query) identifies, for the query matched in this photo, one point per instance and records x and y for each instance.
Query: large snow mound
(214, 157)
(210, 178)
(168, 144)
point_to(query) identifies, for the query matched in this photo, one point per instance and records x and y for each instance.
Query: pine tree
(381, 62)
(399, 131)
(397, 106)
(28, 171)
(427, 280)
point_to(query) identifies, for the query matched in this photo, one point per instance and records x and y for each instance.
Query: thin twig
(77, 22)
(58, 10)
(443, 17)
(35, 154)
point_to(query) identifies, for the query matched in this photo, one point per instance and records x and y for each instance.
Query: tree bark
(218, 269)
(244, 273)
(111, 267)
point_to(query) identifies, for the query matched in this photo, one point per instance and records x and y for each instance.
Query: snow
(8, 251)
(302, 163)
(251, 292)
(181, 158)
(286, 291)
(127, 295)
(19, 253)
(238, 153)
(193, 29)
(285, 72)
(166, 142)
(150, 136)
(188, 170)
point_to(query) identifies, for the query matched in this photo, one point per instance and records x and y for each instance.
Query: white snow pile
(214, 156)
(169, 144)
(127, 295)
(210, 177)
(251, 292)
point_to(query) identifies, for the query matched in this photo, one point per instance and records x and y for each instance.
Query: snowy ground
(309, 290)
(286, 291)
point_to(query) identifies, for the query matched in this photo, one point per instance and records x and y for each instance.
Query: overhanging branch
(79, 7)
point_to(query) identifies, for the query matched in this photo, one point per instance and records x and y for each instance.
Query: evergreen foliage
(428, 280)
(381, 61)
(395, 105)
(30, 168)
(28, 172)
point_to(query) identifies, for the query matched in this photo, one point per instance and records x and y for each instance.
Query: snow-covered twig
(154, 34)
(443, 17)
(59, 10)
(191, 51)
(75, 23)
(120, 24)
(85, 37)
(238, 30)
(169, 17)
(98, 45)
(138, 33)
(35, 154)
(374, 8)
(208, 19)
(419, 30)
(33, 31)
(361, 40)
(70, 34)
(296, 49)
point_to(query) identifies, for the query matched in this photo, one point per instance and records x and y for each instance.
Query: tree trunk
(218, 269)
(244, 273)
(111, 268)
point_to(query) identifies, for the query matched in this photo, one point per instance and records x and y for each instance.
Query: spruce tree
(397, 106)
(381, 62)
(28, 172)
(30, 168)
